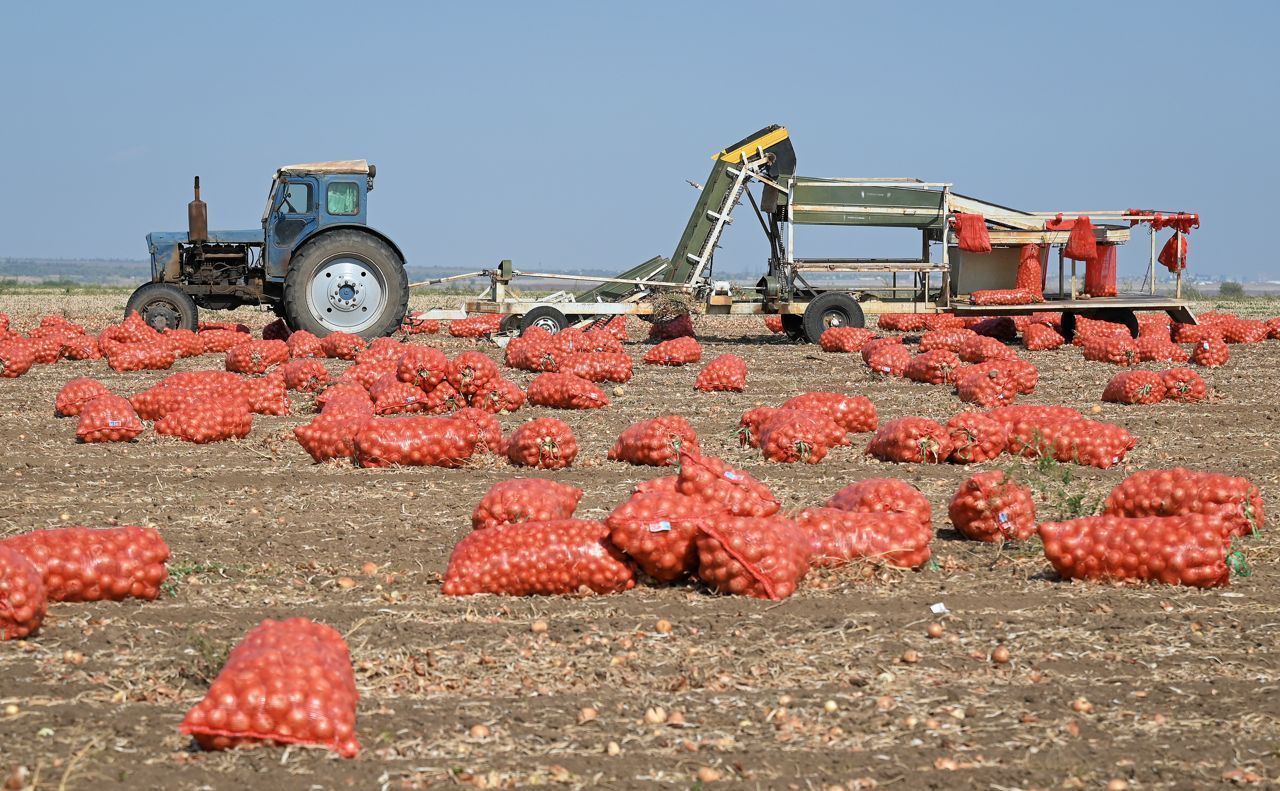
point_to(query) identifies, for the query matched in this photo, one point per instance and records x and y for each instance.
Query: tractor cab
(315, 261)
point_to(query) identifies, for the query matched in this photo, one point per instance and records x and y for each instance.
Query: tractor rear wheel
(164, 306)
(346, 281)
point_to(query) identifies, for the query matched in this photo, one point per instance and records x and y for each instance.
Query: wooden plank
(1109, 235)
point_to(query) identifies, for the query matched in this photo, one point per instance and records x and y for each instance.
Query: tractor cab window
(343, 198)
(297, 198)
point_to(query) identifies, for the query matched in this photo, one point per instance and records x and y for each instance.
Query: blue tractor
(315, 261)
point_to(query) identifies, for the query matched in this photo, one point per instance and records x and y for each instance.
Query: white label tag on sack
(1003, 517)
(113, 424)
(660, 527)
(731, 475)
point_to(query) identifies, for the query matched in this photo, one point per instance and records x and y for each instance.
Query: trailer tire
(164, 306)
(510, 323)
(832, 309)
(349, 281)
(546, 317)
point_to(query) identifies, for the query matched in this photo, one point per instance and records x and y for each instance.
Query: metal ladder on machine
(743, 174)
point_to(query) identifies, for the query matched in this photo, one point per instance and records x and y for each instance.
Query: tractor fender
(351, 226)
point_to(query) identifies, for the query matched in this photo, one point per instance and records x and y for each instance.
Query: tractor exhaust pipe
(197, 218)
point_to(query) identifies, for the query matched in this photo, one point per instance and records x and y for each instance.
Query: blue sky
(561, 134)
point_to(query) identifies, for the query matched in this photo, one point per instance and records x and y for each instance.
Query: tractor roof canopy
(358, 166)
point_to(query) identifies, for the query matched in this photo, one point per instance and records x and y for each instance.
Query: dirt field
(1182, 686)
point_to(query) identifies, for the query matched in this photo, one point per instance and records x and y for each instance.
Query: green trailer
(812, 294)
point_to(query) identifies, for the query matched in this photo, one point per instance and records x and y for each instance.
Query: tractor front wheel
(164, 306)
(346, 281)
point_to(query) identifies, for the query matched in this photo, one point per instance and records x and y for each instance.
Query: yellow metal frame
(764, 141)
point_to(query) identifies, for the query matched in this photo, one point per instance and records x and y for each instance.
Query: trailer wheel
(510, 323)
(348, 281)
(832, 309)
(164, 306)
(546, 317)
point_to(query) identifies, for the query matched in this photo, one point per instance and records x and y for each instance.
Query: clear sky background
(561, 134)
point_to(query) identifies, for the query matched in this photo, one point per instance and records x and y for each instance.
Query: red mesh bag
(791, 435)
(1177, 550)
(475, 326)
(1135, 387)
(399, 398)
(565, 391)
(366, 374)
(813, 422)
(266, 395)
(203, 326)
(286, 682)
(1117, 349)
(658, 530)
(1100, 272)
(443, 399)
(382, 350)
(990, 387)
(501, 396)
(1178, 491)
(668, 484)
(971, 233)
(726, 373)
(901, 322)
(854, 414)
(1092, 444)
(975, 438)
(837, 536)
(845, 339)
(1173, 254)
(305, 375)
(942, 321)
(487, 428)
(598, 366)
(470, 372)
(876, 344)
(1244, 331)
(738, 492)
(678, 351)
(345, 397)
(552, 558)
(617, 327)
(990, 507)
(545, 442)
(519, 500)
(141, 357)
(1194, 333)
(1210, 353)
(531, 353)
(1081, 244)
(656, 442)
(304, 344)
(108, 418)
(764, 558)
(1030, 271)
(1156, 349)
(936, 367)
(1155, 326)
(255, 357)
(949, 339)
(1002, 328)
(342, 345)
(216, 341)
(911, 439)
(415, 441)
(1184, 384)
(331, 435)
(890, 360)
(75, 394)
(79, 564)
(23, 602)
(678, 327)
(415, 323)
(883, 496)
(184, 343)
(599, 340)
(981, 348)
(207, 420)
(1041, 338)
(774, 323)
(85, 347)
(46, 349)
(751, 422)
(1025, 376)
(1005, 296)
(16, 358)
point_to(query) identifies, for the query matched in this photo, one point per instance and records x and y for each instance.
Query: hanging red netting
(1081, 245)
(1174, 253)
(971, 233)
(1030, 272)
(1100, 272)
